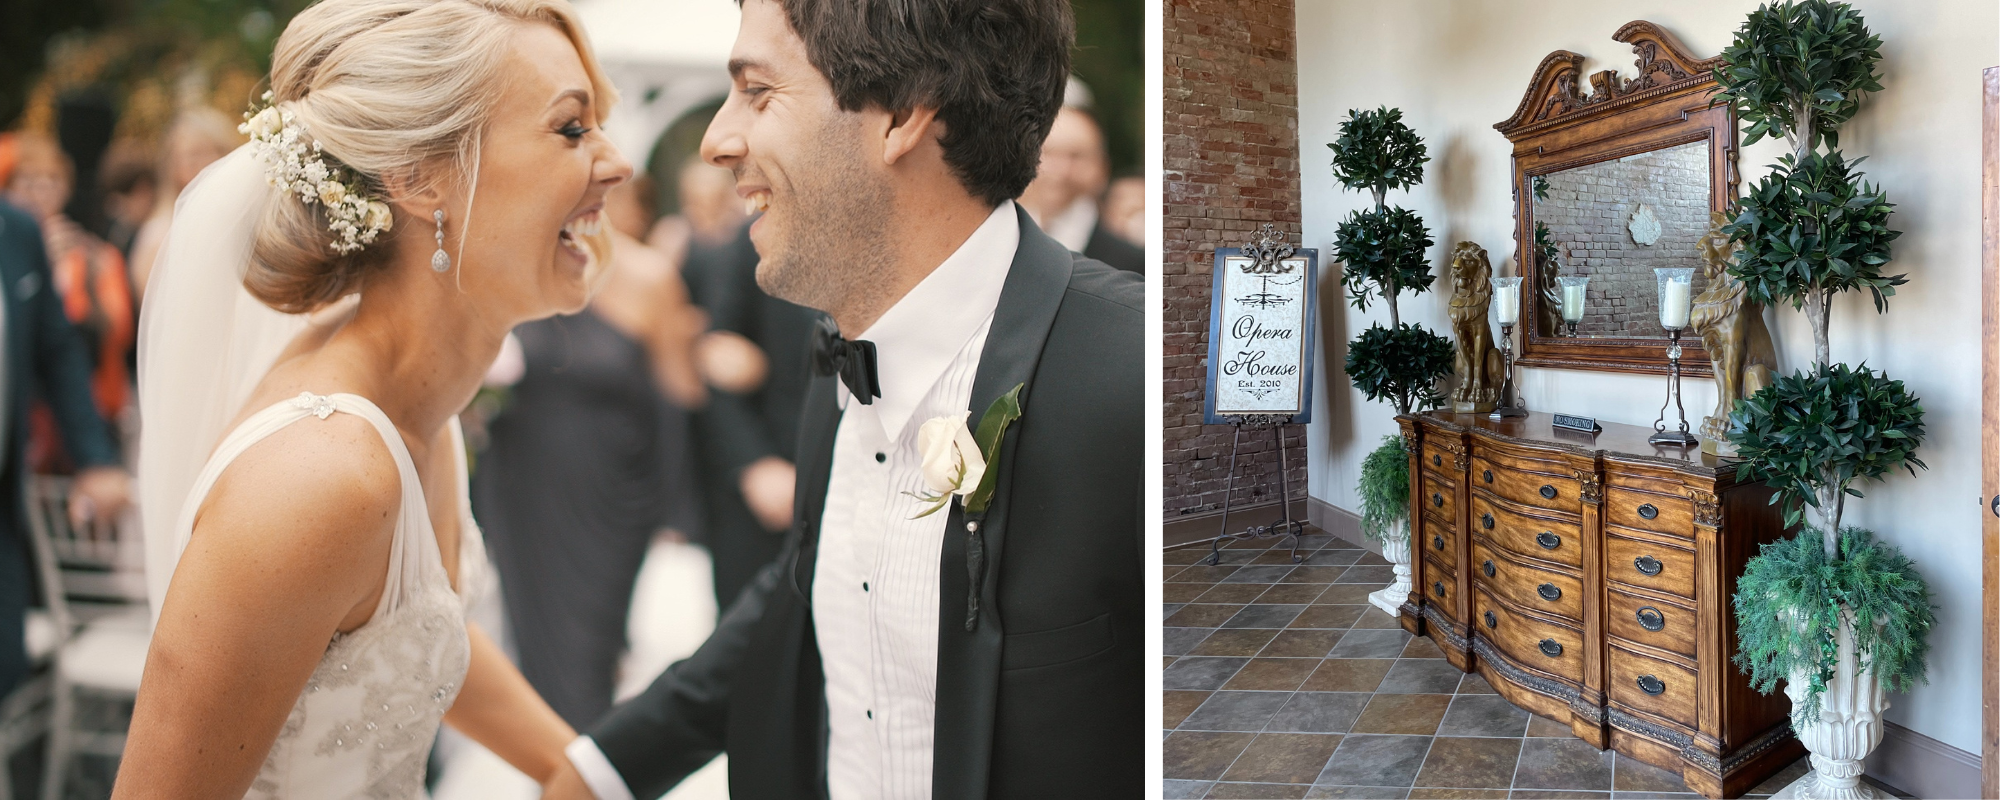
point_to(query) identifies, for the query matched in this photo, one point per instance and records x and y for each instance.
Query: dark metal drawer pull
(1650, 619)
(1437, 500)
(1486, 521)
(1548, 492)
(1550, 648)
(1437, 542)
(1438, 588)
(1489, 476)
(1435, 462)
(1492, 621)
(1549, 592)
(1548, 540)
(1647, 564)
(1651, 685)
(1487, 568)
(1648, 511)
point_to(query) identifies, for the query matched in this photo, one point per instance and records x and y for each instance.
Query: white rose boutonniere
(952, 463)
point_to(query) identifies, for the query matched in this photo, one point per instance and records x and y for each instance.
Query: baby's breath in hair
(296, 166)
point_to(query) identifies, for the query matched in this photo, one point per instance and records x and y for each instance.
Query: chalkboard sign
(1260, 332)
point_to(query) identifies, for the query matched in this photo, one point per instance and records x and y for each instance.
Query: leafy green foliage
(1547, 254)
(1810, 59)
(1377, 152)
(1790, 600)
(1401, 365)
(1826, 429)
(1383, 247)
(1384, 488)
(1812, 225)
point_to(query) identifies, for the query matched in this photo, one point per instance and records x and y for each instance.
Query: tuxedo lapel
(821, 419)
(968, 672)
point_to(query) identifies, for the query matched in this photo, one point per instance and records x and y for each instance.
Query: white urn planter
(1395, 549)
(1848, 729)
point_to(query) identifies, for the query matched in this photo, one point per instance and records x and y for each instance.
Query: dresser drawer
(1438, 587)
(1649, 564)
(1439, 460)
(1439, 537)
(1646, 511)
(1532, 537)
(1554, 649)
(1649, 622)
(1440, 497)
(1528, 587)
(1648, 684)
(1530, 489)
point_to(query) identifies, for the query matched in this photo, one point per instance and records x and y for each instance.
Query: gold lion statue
(1732, 331)
(1477, 362)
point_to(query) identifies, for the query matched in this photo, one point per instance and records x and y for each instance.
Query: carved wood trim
(1559, 125)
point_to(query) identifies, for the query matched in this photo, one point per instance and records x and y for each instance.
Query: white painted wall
(1456, 67)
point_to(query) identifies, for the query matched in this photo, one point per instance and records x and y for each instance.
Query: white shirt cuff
(602, 778)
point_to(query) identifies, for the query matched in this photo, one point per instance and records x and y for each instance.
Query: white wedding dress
(364, 725)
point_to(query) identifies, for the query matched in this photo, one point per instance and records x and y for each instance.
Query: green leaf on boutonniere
(992, 426)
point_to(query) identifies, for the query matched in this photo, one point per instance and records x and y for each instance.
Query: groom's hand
(767, 486)
(566, 784)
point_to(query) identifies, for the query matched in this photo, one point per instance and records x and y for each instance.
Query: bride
(442, 160)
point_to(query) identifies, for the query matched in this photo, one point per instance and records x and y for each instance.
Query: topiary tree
(1382, 250)
(1809, 230)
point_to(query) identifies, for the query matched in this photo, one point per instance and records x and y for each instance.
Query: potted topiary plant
(1382, 252)
(1835, 614)
(1385, 515)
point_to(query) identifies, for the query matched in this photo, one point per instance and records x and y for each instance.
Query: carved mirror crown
(1627, 175)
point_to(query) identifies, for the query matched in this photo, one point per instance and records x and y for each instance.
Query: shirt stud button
(881, 457)
(864, 586)
(871, 713)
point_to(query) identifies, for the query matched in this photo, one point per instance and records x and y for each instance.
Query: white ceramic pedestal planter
(1395, 548)
(1849, 727)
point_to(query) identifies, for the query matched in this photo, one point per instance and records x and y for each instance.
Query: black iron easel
(1285, 526)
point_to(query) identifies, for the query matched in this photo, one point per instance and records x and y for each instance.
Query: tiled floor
(1281, 681)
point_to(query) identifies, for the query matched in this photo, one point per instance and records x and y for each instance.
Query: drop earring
(440, 262)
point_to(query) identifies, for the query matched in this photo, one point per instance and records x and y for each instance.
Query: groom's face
(810, 168)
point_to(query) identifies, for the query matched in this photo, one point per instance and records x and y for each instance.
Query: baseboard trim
(1923, 766)
(1342, 523)
(1193, 529)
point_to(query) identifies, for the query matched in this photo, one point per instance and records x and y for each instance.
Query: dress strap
(406, 551)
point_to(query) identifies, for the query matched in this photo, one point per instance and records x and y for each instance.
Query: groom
(886, 654)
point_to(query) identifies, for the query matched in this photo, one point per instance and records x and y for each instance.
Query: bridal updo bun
(397, 91)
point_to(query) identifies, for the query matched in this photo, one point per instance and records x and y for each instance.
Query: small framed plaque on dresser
(1589, 580)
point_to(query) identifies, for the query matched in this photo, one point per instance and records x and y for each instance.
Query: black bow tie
(853, 361)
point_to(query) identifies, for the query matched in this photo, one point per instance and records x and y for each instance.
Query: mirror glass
(1615, 222)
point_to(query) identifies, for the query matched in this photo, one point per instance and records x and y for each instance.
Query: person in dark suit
(926, 632)
(45, 357)
(746, 442)
(1065, 197)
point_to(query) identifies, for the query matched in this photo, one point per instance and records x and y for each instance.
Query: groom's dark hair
(995, 71)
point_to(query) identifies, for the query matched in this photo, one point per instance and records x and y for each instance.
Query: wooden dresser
(1588, 578)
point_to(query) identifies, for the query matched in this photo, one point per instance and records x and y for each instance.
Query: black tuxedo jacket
(1044, 696)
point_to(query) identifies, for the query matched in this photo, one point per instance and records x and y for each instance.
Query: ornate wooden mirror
(1610, 185)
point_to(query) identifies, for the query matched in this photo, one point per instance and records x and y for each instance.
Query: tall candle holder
(1573, 300)
(1676, 301)
(1507, 311)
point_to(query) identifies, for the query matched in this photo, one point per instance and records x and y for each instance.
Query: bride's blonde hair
(392, 89)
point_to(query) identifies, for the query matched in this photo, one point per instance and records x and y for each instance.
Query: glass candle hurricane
(1573, 299)
(1507, 312)
(1676, 296)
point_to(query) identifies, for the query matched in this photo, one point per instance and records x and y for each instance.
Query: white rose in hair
(266, 123)
(331, 193)
(379, 217)
(952, 463)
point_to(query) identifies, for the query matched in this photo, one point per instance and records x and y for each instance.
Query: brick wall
(1588, 212)
(1231, 165)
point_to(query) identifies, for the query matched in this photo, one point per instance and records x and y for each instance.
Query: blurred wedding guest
(745, 439)
(1074, 172)
(41, 351)
(1125, 209)
(586, 462)
(129, 183)
(89, 274)
(199, 137)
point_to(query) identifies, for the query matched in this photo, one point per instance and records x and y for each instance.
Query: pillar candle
(1572, 303)
(1674, 305)
(1507, 304)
